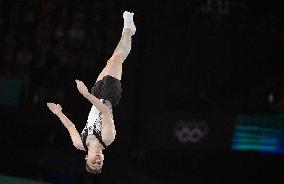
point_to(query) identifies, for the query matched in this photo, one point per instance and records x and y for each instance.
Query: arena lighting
(261, 133)
(270, 98)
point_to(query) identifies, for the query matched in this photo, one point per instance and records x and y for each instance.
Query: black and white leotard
(108, 90)
(93, 127)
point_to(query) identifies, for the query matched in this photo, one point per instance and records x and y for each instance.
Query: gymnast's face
(95, 162)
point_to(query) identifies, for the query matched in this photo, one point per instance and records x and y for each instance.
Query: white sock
(128, 21)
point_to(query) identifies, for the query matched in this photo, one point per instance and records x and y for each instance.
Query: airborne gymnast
(99, 131)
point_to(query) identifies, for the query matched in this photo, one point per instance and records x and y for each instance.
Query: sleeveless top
(93, 127)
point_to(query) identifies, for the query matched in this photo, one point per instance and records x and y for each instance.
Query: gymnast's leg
(114, 64)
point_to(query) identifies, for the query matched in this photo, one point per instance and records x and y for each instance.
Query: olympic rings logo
(190, 131)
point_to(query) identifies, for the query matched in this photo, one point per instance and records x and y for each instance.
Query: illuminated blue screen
(263, 133)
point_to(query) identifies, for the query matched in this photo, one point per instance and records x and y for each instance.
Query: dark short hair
(93, 171)
(93, 90)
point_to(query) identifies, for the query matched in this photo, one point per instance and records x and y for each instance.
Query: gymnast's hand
(55, 108)
(81, 87)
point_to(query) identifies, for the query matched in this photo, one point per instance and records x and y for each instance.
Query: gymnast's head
(94, 163)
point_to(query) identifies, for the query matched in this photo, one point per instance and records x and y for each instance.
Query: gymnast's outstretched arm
(75, 137)
(94, 100)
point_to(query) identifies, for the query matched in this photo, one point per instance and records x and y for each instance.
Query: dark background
(193, 60)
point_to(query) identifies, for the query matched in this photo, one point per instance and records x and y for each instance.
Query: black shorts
(109, 88)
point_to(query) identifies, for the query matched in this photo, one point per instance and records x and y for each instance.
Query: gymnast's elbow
(105, 112)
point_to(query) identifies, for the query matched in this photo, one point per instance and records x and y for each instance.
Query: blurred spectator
(49, 38)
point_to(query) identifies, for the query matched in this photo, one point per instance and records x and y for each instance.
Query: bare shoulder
(108, 138)
(108, 131)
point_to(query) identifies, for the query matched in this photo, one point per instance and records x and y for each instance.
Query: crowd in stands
(46, 42)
